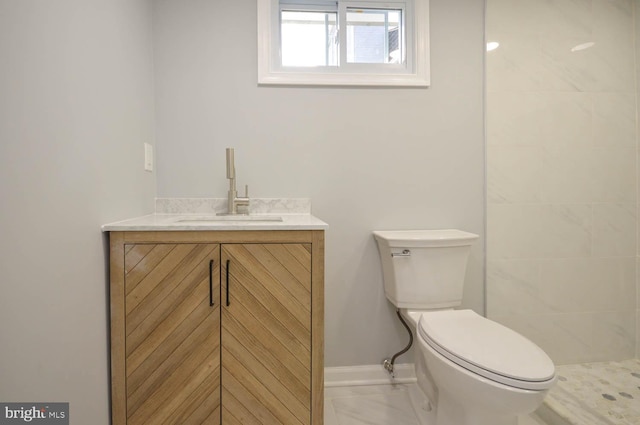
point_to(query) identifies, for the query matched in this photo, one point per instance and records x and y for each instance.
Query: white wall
(368, 158)
(76, 105)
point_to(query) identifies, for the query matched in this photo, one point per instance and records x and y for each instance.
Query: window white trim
(417, 73)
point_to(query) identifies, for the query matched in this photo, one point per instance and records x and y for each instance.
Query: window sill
(326, 79)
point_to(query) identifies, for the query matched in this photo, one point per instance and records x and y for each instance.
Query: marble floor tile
(369, 405)
(377, 405)
(381, 409)
(605, 393)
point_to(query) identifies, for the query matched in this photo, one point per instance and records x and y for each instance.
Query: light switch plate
(148, 157)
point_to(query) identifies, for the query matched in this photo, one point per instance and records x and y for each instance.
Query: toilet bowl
(485, 373)
(471, 370)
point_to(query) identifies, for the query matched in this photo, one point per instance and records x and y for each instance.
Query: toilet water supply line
(388, 363)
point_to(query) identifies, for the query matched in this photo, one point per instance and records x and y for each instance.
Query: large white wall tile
(564, 69)
(513, 118)
(566, 338)
(538, 231)
(614, 230)
(566, 18)
(559, 17)
(570, 285)
(606, 66)
(637, 333)
(555, 119)
(566, 119)
(514, 288)
(637, 283)
(514, 16)
(568, 174)
(613, 19)
(579, 337)
(612, 66)
(515, 65)
(577, 285)
(514, 174)
(636, 37)
(638, 187)
(614, 119)
(614, 175)
(614, 335)
(588, 175)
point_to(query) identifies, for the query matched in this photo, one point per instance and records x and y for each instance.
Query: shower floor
(606, 393)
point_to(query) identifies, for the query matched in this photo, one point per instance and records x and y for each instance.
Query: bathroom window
(323, 42)
(308, 38)
(375, 36)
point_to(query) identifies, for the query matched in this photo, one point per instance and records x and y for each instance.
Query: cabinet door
(172, 334)
(266, 334)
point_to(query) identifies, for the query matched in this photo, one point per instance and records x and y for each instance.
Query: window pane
(309, 38)
(374, 36)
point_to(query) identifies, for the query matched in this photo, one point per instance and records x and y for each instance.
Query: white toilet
(471, 370)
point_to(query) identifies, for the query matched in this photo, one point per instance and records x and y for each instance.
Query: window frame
(406, 41)
(414, 72)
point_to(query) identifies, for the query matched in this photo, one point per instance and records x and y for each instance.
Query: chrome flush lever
(404, 253)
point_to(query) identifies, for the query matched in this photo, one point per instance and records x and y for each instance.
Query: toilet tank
(424, 269)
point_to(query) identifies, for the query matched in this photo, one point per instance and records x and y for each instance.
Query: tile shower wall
(562, 175)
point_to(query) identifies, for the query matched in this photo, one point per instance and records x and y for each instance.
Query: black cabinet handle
(211, 283)
(228, 283)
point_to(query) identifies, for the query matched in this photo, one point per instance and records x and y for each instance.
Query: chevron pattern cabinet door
(172, 340)
(266, 334)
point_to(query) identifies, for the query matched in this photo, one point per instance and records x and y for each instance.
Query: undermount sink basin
(229, 218)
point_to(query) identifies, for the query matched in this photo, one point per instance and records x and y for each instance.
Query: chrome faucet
(236, 205)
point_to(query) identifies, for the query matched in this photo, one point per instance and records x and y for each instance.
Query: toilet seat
(487, 349)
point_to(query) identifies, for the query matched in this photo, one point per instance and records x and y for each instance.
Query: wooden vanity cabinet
(217, 327)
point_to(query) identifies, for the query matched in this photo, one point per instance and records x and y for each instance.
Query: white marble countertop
(199, 222)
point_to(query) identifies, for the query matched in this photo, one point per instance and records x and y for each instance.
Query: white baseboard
(367, 375)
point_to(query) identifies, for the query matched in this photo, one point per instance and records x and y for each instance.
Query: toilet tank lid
(425, 238)
(487, 345)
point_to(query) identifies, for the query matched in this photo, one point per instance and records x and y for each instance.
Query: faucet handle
(246, 190)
